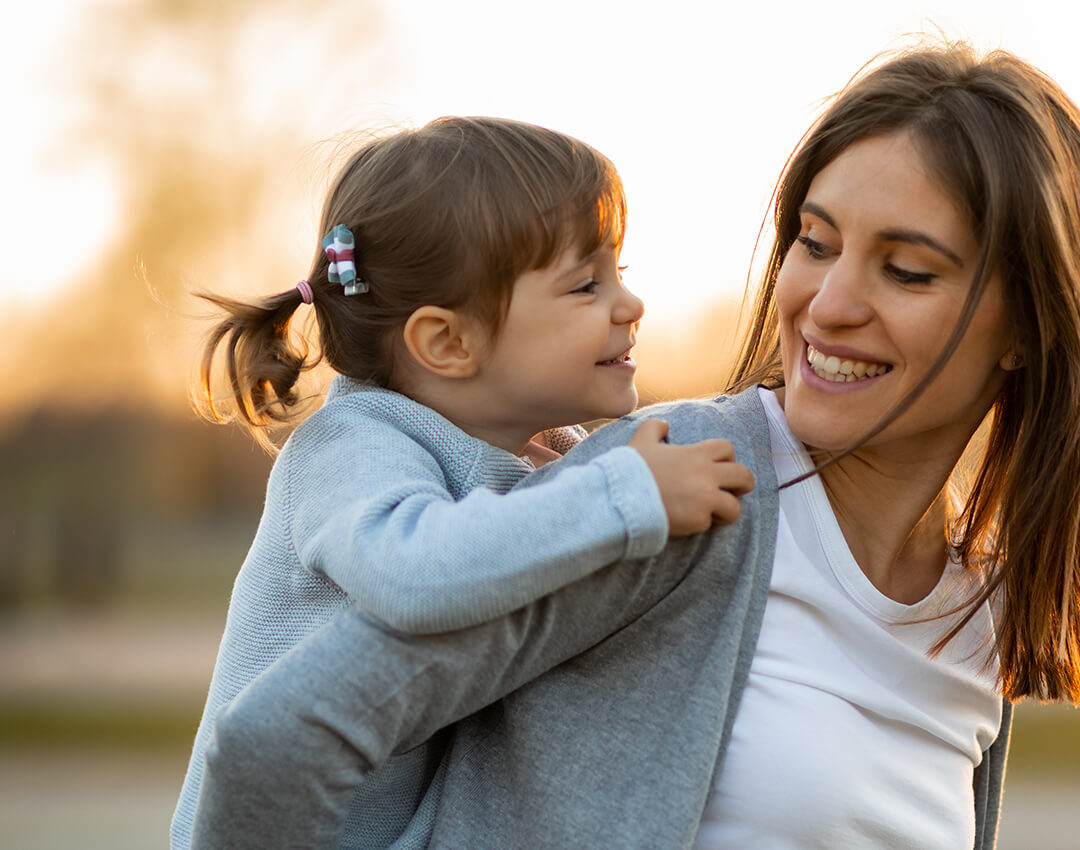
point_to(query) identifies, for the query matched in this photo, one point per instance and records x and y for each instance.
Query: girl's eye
(908, 277)
(816, 250)
(587, 287)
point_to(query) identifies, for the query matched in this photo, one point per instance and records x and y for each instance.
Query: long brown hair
(447, 215)
(1004, 140)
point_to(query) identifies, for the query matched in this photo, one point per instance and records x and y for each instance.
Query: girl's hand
(699, 483)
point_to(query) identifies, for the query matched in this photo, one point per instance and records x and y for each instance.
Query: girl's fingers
(726, 508)
(650, 431)
(718, 450)
(734, 478)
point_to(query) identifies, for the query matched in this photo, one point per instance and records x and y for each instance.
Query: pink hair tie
(306, 295)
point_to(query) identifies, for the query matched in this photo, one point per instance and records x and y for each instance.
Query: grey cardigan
(593, 718)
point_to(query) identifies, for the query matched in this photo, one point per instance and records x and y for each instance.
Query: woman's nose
(841, 297)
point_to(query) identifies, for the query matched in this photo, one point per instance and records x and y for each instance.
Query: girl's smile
(562, 353)
(622, 361)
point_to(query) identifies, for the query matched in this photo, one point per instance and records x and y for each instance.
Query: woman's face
(867, 297)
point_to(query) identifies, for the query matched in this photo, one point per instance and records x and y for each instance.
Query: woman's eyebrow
(814, 209)
(917, 237)
(913, 237)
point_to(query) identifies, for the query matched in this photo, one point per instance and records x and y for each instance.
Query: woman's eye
(908, 277)
(816, 250)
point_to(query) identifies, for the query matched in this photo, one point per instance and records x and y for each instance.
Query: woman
(835, 669)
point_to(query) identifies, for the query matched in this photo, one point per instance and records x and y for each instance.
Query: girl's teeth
(839, 371)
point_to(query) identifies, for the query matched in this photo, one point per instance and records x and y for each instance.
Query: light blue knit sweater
(379, 501)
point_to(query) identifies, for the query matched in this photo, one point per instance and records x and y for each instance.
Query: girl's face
(867, 297)
(562, 354)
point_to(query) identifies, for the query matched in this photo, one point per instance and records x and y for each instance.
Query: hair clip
(339, 245)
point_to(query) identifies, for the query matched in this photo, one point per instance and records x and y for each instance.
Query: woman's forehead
(885, 184)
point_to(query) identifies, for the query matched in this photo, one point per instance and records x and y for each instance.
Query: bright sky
(697, 103)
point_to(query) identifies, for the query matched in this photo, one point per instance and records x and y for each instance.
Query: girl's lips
(623, 360)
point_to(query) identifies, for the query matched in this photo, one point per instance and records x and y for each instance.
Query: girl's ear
(444, 342)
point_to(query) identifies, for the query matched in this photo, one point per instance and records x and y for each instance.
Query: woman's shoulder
(743, 409)
(738, 417)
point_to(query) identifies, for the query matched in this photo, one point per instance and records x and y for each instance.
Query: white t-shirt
(848, 735)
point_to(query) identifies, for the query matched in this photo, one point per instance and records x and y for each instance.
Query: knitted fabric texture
(618, 694)
(380, 501)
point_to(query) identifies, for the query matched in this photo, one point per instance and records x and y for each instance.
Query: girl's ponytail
(262, 362)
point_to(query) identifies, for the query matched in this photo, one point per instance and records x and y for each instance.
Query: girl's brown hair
(447, 215)
(1004, 140)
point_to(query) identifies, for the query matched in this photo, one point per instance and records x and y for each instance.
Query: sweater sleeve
(288, 753)
(390, 534)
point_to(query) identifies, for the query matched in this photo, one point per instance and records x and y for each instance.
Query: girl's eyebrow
(578, 266)
(912, 237)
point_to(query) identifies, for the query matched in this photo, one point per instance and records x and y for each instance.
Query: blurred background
(160, 147)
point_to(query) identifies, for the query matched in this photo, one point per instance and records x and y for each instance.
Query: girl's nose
(628, 308)
(840, 300)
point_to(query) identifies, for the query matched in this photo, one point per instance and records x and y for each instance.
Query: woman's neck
(890, 501)
(893, 521)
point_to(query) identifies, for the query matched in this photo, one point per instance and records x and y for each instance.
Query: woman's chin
(819, 433)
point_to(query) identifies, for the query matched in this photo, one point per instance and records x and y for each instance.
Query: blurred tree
(202, 109)
(81, 490)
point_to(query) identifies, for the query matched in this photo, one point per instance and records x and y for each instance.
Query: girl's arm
(290, 750)
(411, 556)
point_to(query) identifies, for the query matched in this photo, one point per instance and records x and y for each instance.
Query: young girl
(468, 293)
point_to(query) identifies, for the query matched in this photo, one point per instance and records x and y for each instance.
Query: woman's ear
(444, 342)
(1012, 360)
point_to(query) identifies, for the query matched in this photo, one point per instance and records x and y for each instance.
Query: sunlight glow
(45, 189)
(698, 104)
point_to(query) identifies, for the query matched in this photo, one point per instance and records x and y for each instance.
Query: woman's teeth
(839, 371)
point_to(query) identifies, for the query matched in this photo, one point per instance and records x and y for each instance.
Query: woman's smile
(867, 296)
(840, 368)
